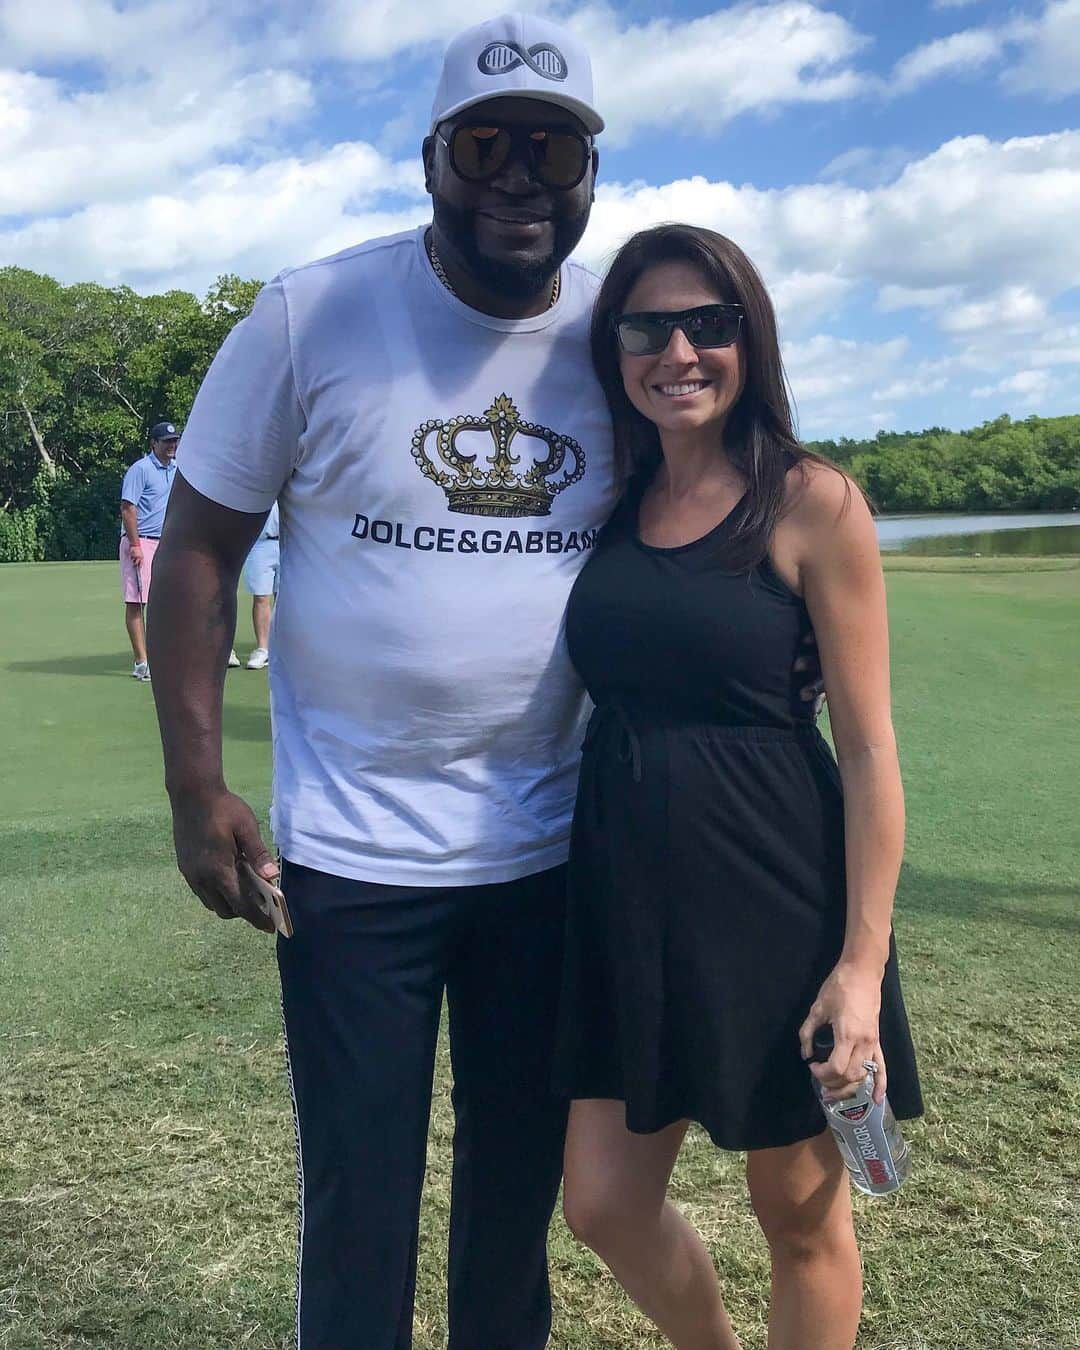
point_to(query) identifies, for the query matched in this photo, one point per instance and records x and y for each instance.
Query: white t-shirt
(441, 476)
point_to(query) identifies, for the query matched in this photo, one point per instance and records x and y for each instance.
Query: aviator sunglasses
(557, 157)
(648, 333)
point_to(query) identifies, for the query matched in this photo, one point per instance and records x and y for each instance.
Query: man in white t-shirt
(423, 408)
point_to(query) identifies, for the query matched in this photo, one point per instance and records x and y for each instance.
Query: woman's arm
(844, 589)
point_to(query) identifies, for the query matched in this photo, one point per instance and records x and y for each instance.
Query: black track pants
(362, 986)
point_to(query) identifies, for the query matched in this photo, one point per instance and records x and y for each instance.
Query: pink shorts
(130, 576)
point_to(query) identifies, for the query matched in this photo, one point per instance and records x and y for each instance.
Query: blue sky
(907, 176)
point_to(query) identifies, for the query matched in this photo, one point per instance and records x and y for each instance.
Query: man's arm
(191, 621)
(129, 518)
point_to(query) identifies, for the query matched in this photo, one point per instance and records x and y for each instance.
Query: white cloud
(1012, 309)
(1044, 53)
(709, 70)
(924, 382)
(835, 380)
(1050, 62)
(377, 30)
(186, 86)
(994, 357)
(806, 298)
(825, 367)
(748, 57)
(171, 89)
(253, 221)
(52, 154)
(998, 314)
(867, 165)
(1058, 346)
(141, 36)
(892, 297)
(972, 214)
(1030, 386)
(960, 53)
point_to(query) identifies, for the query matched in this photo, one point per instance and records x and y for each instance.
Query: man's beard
(516, 278)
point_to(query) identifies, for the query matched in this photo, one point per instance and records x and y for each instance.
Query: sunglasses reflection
(558, 157)
(647, 334)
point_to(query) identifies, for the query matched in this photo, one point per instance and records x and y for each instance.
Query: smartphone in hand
(271, 900)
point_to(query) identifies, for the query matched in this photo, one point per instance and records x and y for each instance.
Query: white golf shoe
(141, 670)
(234, 660)
(258, 659)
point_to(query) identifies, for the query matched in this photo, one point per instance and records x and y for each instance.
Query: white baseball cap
(516, 54)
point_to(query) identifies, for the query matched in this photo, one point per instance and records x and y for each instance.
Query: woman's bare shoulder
(821, 496)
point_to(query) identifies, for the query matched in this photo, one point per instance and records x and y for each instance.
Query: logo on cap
(499, 58)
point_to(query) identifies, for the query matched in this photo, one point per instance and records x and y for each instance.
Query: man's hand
(136, 553)
(212, 834)
(808, 665)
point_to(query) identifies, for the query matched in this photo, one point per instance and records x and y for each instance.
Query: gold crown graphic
(474, 490)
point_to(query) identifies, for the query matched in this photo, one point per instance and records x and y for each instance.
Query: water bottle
(867, 1135)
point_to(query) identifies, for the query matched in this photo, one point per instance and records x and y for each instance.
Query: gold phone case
(271, 900)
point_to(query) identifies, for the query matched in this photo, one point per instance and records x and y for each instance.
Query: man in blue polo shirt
(143, 498)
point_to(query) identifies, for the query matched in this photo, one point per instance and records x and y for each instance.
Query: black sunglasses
(646, 334)
(557, 157)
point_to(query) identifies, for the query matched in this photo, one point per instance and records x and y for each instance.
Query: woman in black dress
(731, 887)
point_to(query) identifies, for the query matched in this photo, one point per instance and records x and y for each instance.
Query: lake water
(1035, 535)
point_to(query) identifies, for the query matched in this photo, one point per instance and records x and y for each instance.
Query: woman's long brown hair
(759, 435)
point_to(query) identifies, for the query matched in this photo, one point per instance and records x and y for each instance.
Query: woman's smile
(683, 391)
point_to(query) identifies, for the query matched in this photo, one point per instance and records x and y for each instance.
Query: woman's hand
(850, 999)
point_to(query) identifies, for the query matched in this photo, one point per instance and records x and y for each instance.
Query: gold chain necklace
(437, 268)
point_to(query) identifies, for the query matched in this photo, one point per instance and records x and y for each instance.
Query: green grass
(914, 562)
(146, 1172)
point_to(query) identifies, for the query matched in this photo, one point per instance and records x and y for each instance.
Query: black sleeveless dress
(706, 879)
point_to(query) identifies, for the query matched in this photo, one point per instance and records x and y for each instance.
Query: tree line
(86, 370)
(1002, 465)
